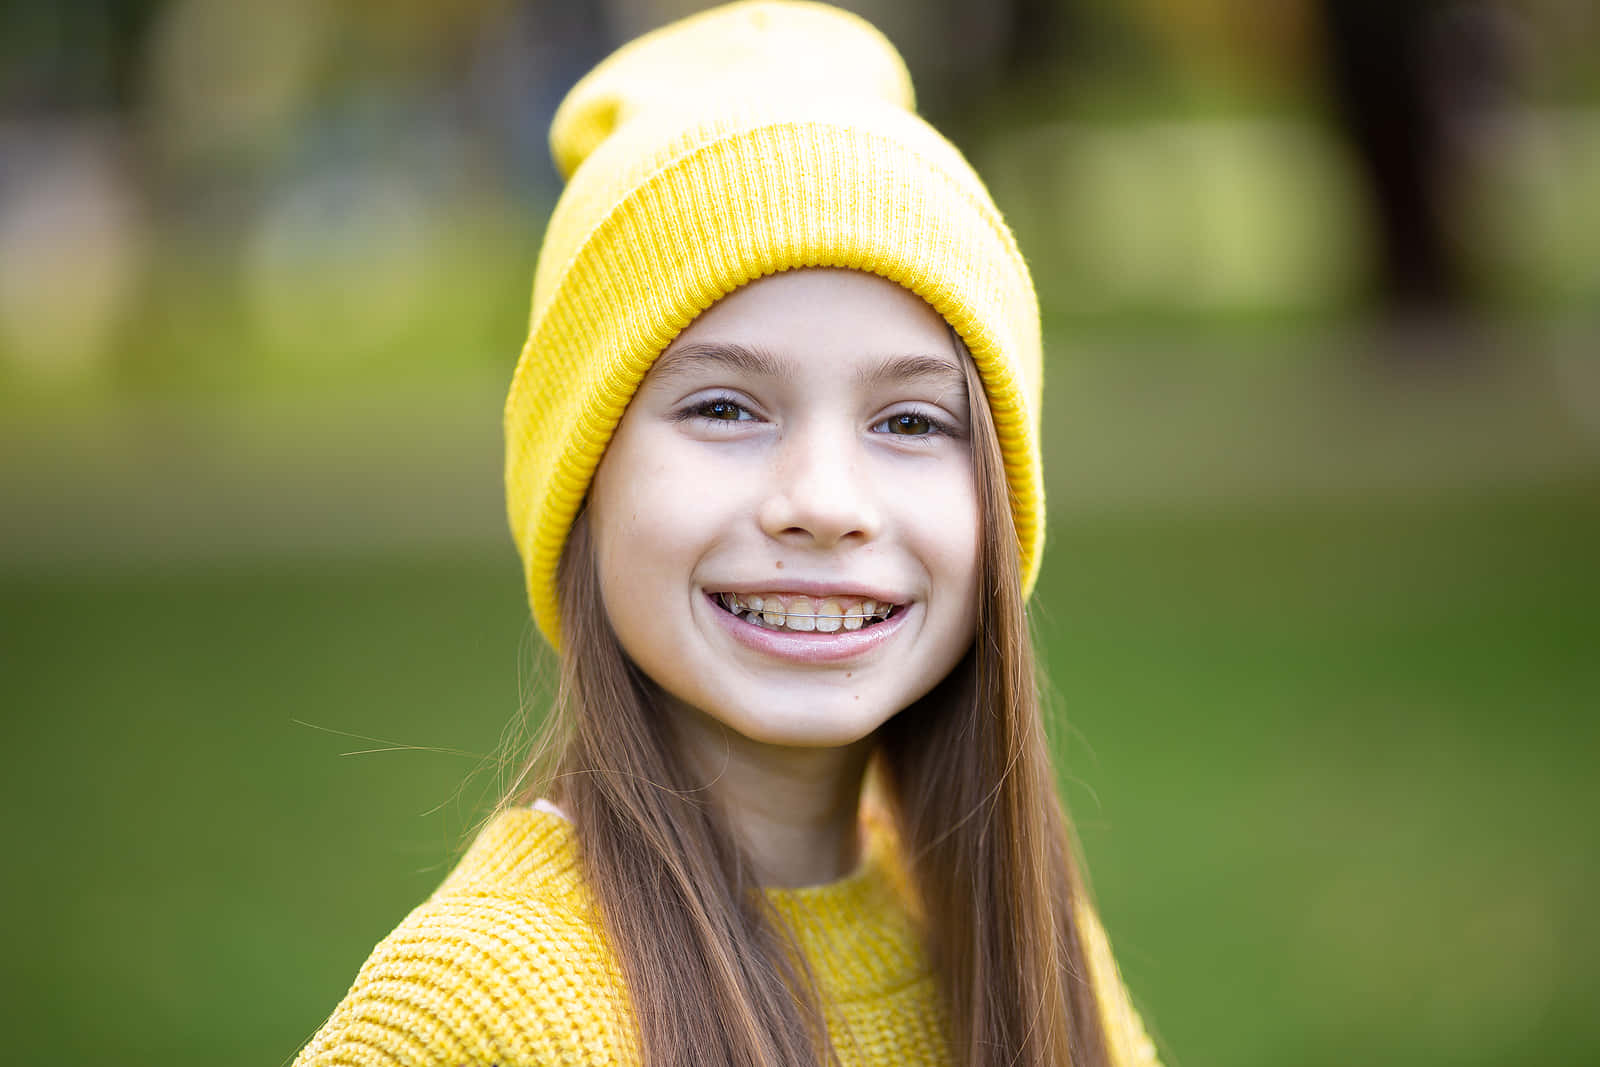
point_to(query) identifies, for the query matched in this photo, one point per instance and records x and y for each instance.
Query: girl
(773, 470)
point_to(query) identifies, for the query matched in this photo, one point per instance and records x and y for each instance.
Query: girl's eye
(909, 424)
(721, 409)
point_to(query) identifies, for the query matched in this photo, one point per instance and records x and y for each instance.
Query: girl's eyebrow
(757, 361)
(905, 369)
(730, 355)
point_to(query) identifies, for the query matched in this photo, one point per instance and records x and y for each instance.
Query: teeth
(798, 615)
(802, 614)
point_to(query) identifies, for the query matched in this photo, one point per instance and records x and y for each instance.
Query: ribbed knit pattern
(751, 139)
(507, 964)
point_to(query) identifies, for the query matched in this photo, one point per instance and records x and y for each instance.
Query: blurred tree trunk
(1378, 59)
(1415, 85)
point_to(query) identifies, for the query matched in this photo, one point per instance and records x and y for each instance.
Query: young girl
(772, 466)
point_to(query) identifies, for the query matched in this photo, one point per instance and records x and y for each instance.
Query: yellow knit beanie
(749, 139)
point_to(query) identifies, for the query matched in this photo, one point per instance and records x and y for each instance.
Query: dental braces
(801, 615)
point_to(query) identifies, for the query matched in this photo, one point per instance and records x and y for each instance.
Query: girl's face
(786, 524)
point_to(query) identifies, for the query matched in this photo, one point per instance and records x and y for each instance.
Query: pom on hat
(749, 139)
(794, 49)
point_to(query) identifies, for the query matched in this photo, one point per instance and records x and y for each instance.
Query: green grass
(1332, 765)
(1343, 758)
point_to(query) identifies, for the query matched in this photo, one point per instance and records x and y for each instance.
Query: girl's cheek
(942, 492)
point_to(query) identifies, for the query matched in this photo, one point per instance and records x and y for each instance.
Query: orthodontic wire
(798, 615)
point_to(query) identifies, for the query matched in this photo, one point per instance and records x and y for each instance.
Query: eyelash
(937, 427)
(699, 411)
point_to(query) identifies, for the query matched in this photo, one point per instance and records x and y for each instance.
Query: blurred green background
(1321, 284)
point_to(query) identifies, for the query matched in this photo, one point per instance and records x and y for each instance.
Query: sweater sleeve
(1129, 1044)
(473, 978)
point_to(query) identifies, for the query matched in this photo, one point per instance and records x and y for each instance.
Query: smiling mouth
(805, 614)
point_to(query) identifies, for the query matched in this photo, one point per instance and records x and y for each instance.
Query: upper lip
(839, 589)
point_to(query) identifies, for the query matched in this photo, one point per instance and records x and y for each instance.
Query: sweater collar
(858, 934)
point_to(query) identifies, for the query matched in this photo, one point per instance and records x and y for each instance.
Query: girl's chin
(791, 717)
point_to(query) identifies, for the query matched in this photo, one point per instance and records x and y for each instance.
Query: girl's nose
(821, 493)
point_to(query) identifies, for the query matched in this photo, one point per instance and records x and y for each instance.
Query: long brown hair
(968, 781)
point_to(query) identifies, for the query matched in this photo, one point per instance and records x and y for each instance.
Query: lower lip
(813, 647)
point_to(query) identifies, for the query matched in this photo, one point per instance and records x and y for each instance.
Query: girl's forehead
(821, 311)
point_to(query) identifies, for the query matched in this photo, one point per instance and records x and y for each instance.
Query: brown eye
(910, 424)
(723, 410)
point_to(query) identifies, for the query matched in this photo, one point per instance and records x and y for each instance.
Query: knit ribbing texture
(508, 964)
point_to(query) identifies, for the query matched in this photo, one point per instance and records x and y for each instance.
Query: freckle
(780, 564)
(849, 674)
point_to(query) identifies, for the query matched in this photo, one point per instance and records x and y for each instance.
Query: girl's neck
(794, 810)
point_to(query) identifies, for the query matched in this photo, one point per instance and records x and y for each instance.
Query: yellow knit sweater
(506, 964)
